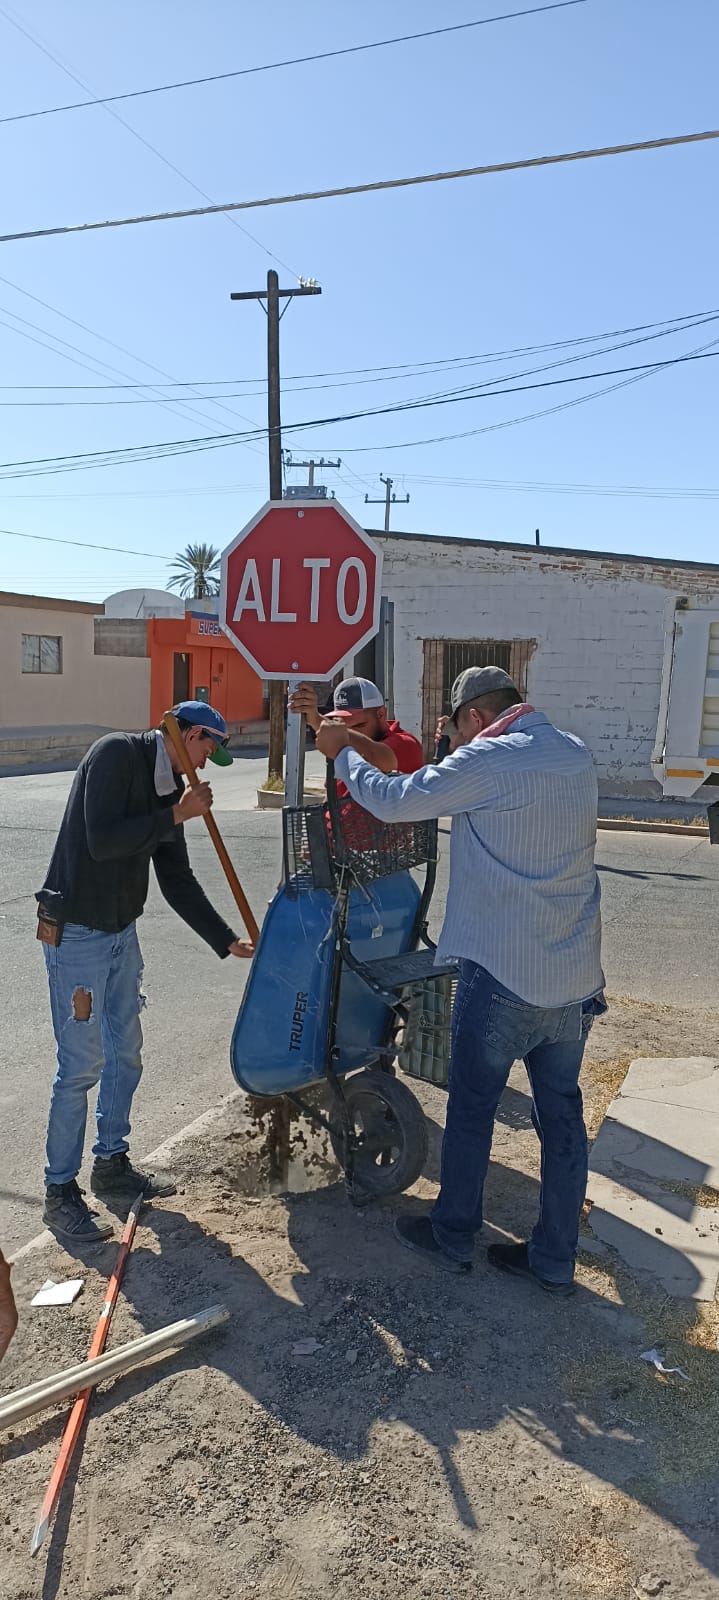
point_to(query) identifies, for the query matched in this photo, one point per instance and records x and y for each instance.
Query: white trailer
(686, 754)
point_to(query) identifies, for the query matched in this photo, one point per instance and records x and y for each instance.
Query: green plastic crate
(424, 1048)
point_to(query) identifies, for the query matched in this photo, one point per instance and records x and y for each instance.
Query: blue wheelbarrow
(343, 977)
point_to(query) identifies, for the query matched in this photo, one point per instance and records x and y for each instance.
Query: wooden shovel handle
(180, 748)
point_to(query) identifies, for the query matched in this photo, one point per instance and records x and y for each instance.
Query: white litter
(58, 1294)
(656, 1361)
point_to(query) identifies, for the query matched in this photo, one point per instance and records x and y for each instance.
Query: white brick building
(583, 632)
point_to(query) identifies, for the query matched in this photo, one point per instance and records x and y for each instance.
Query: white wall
(94, 691)
(598, 623)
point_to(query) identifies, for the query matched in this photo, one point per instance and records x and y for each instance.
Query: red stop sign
(300, 589)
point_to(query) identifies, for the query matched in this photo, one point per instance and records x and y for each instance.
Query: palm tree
(196, 572)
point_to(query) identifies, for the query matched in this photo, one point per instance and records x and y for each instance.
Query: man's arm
(379, 754)
(181, 890)
(462, 782)
(8, 1309)
(111, 835)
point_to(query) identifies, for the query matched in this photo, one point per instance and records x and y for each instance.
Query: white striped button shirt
(523, 898)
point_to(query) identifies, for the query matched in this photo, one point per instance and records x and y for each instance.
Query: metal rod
(240, 898)
(40, 1396)
(295, 762)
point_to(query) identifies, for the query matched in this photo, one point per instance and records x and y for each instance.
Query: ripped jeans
(95, 997)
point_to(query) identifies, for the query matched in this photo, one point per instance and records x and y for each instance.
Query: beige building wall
(91, 690)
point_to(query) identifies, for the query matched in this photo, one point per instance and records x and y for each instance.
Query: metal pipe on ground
(87, 1374)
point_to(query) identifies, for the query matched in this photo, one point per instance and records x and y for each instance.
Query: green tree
(196, 572)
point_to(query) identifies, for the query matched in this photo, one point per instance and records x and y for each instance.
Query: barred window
(41, 653)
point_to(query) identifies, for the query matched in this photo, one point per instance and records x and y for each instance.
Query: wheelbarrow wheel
(391, 1133)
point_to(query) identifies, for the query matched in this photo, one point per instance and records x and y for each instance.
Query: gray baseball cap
(476, 681)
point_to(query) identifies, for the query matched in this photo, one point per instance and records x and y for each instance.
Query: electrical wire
(85, 460)
(78, 544)
(584, 355)
(158, 399)
(612, 490)
(295, 61)
(398, 371)
(139, 136)
(369, 188)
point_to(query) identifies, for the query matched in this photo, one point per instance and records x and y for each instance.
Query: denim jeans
(105, 1048)
(492, 1028)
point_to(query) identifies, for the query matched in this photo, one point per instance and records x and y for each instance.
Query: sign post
(300, 592)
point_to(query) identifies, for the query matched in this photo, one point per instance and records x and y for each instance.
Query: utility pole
(387, 499)
(309, 490)
(272, 295)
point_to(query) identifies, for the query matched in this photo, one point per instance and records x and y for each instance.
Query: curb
(683, 829)
(159, 1156)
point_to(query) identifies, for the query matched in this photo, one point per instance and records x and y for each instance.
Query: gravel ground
(448, 1439)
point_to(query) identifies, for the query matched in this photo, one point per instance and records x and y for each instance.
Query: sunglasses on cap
(208, 733)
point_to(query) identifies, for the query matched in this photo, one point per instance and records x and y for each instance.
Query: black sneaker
(514, 1258)
(416, 1233)
(66, 1214)
(115, 1179)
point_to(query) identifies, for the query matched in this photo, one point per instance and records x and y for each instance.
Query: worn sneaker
(115, 1179)
(417, 1233)
(514, 1258)
(67, 1214)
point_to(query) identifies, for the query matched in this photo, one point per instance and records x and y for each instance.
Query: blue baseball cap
(204, 716)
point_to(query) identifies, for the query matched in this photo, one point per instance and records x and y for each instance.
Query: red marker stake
(77, 1416)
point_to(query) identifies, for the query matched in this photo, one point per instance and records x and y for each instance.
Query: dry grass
(601, 1082)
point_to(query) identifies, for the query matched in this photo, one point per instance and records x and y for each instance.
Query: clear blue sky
(450, 270)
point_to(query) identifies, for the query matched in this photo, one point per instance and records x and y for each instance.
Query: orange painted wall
(234, 689)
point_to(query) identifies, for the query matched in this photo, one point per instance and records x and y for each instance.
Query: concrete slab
(656, 1150)
(686, 1081)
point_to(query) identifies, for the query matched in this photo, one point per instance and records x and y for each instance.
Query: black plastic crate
(318, 846)
(306, 849)
(373, 849)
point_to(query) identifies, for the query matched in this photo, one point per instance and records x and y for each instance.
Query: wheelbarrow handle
(240, 898)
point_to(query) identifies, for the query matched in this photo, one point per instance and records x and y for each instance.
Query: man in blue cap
(127, 807)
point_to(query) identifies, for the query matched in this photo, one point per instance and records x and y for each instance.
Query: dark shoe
(66, 1214)
(115, 1179)
(416, 1233)
(515, 1258)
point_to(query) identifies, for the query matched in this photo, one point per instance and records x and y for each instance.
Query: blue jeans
(492, 1028)
(105, 1048)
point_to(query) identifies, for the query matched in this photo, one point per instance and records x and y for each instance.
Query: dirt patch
(633, 1028)
(452, 1440)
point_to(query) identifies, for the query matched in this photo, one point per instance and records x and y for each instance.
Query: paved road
(661, 905)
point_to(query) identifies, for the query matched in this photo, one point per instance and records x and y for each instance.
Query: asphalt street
(661, 920)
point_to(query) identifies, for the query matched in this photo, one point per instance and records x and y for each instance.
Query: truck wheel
(391, 1130)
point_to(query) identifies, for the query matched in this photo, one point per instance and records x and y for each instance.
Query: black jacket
(114, 825)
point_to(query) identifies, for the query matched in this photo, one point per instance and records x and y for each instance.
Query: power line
(159, 399)
(369, 188)
(615, 490)
(135, 134)
(528, 416)
(98, 360)
(586, 355)
(404, 369)
(85, 460)
(294, 61)
(566, 360)
(114, 549)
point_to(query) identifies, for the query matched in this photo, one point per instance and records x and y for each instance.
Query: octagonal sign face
(300, 589)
